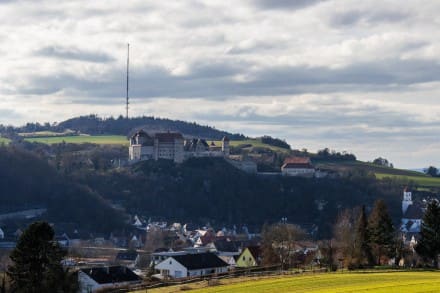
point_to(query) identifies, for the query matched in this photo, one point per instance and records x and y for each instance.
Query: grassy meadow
(416, 281)
(249, 143)
(423, 181)
(97, 139)
(4, 140)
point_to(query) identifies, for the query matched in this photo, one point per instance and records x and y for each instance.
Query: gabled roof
(224, 245)
(297, 162)
(200, 261)
(255, 251)
(127, 255)
(113, 274)
(414, 211)
(168, 136)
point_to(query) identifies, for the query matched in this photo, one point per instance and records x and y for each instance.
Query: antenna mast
(128, 60)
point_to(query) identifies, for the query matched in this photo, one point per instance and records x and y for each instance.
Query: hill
(211, 190)
(95, 125)
(27, 181)
(405, 177)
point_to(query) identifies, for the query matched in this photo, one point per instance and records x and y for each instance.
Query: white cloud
(361, 76)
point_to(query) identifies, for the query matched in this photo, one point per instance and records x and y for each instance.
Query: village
(161, 251)
(154, 252)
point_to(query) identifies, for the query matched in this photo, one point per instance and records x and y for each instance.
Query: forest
(80, 183)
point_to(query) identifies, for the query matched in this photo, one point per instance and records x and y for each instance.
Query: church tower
(225, 146)
(407, 200)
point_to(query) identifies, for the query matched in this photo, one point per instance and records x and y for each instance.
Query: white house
(190, 265)
(2, 234)
(98, 278)
(298, 166)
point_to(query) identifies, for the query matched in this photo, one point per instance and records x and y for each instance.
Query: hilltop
(266, 151)
(95, 125)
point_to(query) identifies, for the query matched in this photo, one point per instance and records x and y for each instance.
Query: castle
(172, 146)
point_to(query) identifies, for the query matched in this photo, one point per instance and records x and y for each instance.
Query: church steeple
(407, 200)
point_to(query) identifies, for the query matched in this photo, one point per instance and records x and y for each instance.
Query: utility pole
(128, 63)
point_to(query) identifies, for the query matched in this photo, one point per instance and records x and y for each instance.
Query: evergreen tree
(381, 231)
(362, 250)
(3, 288)
(429, 244)
(37, 262)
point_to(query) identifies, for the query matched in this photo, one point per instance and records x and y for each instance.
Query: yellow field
(97, 139)
(400, 282)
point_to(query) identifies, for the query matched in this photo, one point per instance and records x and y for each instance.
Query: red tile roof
(297, 162)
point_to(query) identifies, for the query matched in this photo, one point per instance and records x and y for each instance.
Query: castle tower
(407, 200)
(225, 146)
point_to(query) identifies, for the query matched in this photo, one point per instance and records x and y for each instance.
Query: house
(223, 246)
(2, 234)
(98, 278)
(63, 240)
(250, 257)
(129, 258)
(159, 255)
(191, 265)
(298, 166)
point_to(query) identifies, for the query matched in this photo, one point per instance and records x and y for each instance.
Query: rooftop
(112, 274)
(200, 261)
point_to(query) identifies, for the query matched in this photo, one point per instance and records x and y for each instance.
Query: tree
(344, 233)
(362, 250)
(382, 162)
(37, 262)
(432, 171)
(278, 243)
(381, 231)
(429, 243)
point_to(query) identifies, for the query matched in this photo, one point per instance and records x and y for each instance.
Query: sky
(356, 76)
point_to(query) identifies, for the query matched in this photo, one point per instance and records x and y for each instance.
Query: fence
(213, 278)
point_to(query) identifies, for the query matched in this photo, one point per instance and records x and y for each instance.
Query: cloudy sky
(361, 76)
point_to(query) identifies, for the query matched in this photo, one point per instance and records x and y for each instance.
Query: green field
(4, 140)
(97, 139)
(45, 133)
(253, 142)
(423, 181)
(120, 139)
(417, 281)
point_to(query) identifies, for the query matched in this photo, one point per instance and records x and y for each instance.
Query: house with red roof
(298, 166)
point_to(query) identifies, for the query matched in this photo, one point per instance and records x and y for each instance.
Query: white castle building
(172, 146)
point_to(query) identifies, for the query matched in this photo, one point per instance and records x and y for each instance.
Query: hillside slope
(210, 190)
(95, 125)
(26, 181)
(413, 178)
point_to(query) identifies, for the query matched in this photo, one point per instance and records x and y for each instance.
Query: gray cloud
(353, 17)
(216, 80)
(286, 4)
(74, 54)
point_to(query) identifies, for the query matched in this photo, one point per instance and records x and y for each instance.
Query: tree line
(360, 240)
